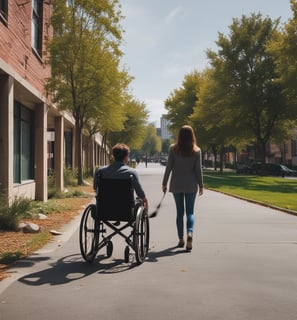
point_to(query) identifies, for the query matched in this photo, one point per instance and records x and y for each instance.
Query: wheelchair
(115, 202)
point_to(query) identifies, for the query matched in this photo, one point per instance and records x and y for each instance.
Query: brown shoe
(189, 242)
(181, 243)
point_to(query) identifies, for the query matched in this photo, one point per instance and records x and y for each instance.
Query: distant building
(165, 123)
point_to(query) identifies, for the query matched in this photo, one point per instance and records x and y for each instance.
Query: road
(243, 266)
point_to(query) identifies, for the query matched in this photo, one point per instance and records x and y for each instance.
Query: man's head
(120, 152)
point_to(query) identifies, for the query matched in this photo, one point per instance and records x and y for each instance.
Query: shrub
(70, 176)
(51, 179)
(46, 207)
(10, 215)
(88, 173)
(10, 257)
(8, 222)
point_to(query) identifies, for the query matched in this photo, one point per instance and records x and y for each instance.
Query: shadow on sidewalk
(154, 256)
(72, 268)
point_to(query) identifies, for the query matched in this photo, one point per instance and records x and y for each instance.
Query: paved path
(243, 266)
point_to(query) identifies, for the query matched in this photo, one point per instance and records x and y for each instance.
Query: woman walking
(184, 164)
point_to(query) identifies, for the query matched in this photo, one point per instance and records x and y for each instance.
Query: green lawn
(275, 191)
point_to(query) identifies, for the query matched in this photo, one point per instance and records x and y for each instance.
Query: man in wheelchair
(115, 186)
(119, 169)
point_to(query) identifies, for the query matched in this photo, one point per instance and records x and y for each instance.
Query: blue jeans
(180, 200)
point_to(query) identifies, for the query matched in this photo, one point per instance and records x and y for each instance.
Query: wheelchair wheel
(141, 235)
(109, 249)
(89, 233)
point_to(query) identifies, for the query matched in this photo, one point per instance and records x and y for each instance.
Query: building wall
(23, 72)
(16, 43)
(22, 77)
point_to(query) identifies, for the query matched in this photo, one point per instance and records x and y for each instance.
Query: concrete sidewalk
(243, 266)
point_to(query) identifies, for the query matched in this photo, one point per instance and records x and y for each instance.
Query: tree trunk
(263, 151)
(215, 153)
(222, 159)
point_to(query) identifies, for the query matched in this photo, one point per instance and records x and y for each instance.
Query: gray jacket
(119, 170)
(186, 172)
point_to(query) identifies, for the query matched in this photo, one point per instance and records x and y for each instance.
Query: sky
(166, 39)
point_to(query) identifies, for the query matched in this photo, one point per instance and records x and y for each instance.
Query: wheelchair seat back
(115, 199)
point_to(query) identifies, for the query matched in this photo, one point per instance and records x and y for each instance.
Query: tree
(165, 145)
(181, 101)
(284, 49)
(152, 143)
(84, 56)
(212, 125)
(134, 126)
(245, 71)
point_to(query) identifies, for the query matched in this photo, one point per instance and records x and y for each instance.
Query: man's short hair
(120, 151)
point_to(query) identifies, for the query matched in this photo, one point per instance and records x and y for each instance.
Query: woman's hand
(145, 203)
(201, 190)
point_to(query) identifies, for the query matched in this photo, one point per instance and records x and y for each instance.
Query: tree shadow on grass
(256, 183)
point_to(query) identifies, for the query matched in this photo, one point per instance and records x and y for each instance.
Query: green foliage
(283, 49)
(10, 257)
(244, 71)
(51, 179)
(38, 240)
(133, 130)
(85, 61)
(69, 194)
(11, 214)
(70, 179)
(152, 143)
(88, 173)
(51, 184)
(46, 207)
(165, 146)
(20, 208)
(181, 102)
(7, 221)
(70, 176)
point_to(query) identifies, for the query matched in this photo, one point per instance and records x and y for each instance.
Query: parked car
(248, 168)
(279, 170)
(163, 161)
(242, 168)
(271, 169)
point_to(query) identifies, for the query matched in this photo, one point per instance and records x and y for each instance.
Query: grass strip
(274, 191)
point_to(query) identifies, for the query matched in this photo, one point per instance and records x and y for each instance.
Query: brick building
(34, 135)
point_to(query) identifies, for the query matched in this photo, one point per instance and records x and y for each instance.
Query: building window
(3, 10)
(23, 151)
(37, 26)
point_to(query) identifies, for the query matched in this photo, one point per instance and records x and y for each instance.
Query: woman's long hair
(186, 142)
